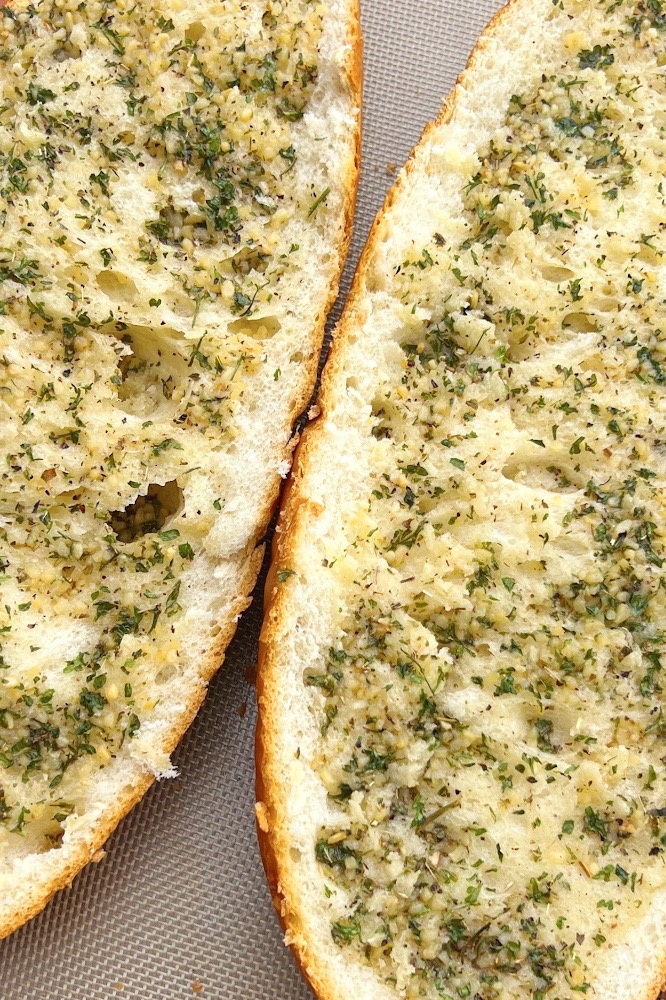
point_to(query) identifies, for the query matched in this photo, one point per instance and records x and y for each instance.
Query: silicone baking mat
(178, 907)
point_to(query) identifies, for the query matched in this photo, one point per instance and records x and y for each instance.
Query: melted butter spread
(492, 710)
(146, 184)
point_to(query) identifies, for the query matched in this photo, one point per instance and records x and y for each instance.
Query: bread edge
(112, 817)
(294, 510)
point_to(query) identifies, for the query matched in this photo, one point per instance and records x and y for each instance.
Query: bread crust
(131, 795)
(296, 507)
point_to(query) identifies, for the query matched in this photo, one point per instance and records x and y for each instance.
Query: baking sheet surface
(178, 907)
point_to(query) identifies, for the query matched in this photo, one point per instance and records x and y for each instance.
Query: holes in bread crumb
(181, 306)
(67, 51)
(151, 369)
(258, 329)
(295, 854)
(149, 513)
(117, 286)
(556, 274)
(649, 254)
(166, 674)
(352, 383)
(575, 545)
(594, 363)
(381, 431)
(580, 323)
(539, 477)
(383, 413)
(168, 226)
(606, 304)
(250, 259)
(177, 223)
(54, 832)
(296, 358)
(382, 426)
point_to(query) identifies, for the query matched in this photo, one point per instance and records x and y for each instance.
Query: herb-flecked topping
(147, 178)
(492, 711)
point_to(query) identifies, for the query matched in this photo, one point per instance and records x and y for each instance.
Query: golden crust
(135, 792)
(267, 788)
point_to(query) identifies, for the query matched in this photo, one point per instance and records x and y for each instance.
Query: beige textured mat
(178, 908)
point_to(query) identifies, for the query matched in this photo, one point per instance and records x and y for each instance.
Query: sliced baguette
(413, 725)
(178, 185)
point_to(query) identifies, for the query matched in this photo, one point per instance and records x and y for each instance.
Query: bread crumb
(242, 709)
(197, 986)
(262, 816)
(391, 168)
(98, 856)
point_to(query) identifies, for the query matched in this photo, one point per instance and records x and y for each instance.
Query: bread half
(461, 773)
(178, 183)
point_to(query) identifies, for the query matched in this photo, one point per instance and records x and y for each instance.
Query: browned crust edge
(132, 794)
(295, 510)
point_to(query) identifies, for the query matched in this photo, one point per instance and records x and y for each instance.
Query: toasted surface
(460, 752)
(177, 189)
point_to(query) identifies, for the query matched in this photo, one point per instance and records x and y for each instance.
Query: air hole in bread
(166, 674)
(54, 832)
(352, 383)
(648, 254)
(117, 286)
(76, 273)
(181, 306)
(295, 854)
(593, 363)
(380, 431)
(580, 323)
(539, 477)
(177, 223)
(250, 259)
(606, 304)
(258, 329)
(381, 428)
(66, 52)
(296, 358)
(151, 369)
(149, 513)
(556, 274)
